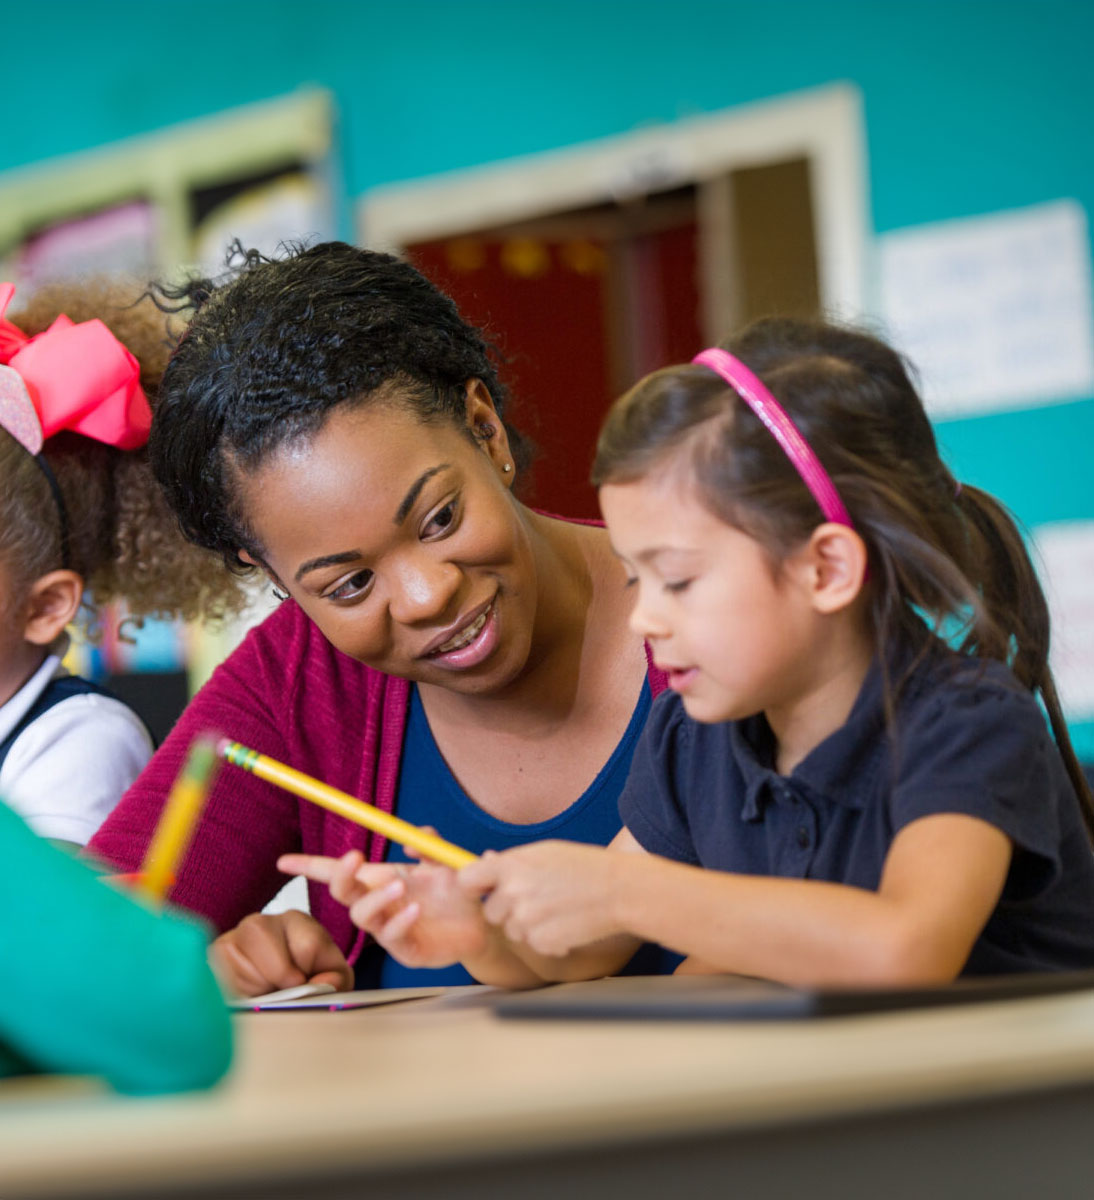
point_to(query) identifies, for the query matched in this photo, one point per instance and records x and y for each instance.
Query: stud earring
(506, 468)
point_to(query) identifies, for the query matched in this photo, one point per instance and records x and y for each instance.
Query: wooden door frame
(824, 125)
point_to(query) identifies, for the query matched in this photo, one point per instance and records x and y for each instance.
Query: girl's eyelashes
(675, 585)
(352, 588)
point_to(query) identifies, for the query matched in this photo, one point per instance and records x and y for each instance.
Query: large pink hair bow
(71, 376)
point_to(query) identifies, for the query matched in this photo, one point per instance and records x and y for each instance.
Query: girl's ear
(836, 557)
(53, 601)
(486, 428)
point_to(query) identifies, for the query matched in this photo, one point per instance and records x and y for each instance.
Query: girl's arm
(424, 917)
(942, 878)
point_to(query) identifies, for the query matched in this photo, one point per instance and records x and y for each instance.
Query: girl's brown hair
(946, 560)
(123, 539)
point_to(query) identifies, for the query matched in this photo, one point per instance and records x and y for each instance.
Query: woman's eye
(677, 585)
(351, 588)
(442, 520)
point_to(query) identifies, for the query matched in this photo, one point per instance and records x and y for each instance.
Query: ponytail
(1015, 628)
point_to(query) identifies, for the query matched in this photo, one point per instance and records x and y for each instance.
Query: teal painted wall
(970, 107)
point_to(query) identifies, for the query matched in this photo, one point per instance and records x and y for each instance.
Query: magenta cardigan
(288, 693)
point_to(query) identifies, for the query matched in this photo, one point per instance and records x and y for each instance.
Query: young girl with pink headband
(81, 522)
(851, 777)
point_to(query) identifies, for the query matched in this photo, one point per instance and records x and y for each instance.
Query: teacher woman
(442, 651)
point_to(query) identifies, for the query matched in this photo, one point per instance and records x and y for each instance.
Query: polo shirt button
(803, 837)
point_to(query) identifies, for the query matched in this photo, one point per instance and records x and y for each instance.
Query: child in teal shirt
(103, 985)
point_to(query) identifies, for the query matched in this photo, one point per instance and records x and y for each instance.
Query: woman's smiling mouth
(465, 636)
(469, 645)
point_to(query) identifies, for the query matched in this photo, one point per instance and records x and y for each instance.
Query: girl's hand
(418, 913)
(269, 951)
(552, 896)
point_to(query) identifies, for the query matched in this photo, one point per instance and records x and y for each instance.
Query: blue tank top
(428, 794)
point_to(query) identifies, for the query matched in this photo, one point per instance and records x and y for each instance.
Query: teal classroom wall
(970, 107)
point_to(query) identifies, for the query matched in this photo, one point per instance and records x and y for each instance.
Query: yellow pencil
(427, 844)
(179, 818)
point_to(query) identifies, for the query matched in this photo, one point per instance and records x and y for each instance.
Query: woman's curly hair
(123, 538)
(279, 343)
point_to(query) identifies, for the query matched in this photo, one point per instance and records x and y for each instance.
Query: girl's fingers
(367, 913)
(496, 908)
(400, 924)
(481, 875)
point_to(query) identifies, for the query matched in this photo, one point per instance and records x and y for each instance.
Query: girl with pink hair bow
(81, 524)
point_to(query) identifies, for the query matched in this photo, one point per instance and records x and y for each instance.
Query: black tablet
(738, 997)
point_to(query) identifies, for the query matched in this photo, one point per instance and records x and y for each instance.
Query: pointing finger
(314, 866)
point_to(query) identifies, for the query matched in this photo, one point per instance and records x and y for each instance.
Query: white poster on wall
(1066, 552)
(996, 311)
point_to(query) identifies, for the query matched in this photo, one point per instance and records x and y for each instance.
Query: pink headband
(756, 395)
(77, 377)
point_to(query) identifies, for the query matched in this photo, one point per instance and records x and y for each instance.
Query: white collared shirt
(67, 769)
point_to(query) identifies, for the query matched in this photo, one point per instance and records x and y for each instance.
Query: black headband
(62, 511)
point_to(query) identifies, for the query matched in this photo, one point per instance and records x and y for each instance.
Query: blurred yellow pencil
(179, 818)
(428, 845)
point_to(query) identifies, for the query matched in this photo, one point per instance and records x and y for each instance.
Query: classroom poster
(994, 311)
(1066, 550)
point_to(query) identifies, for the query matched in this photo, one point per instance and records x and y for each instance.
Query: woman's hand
(269, 951)
(552, 896)
(417, 912)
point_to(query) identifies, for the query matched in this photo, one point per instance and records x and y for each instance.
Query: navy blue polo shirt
(966, 738)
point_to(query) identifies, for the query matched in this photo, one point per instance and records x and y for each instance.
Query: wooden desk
(438, 1098)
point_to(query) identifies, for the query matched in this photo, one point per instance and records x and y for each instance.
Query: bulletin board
(151, 208)
(148, 205)
(997, 313)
